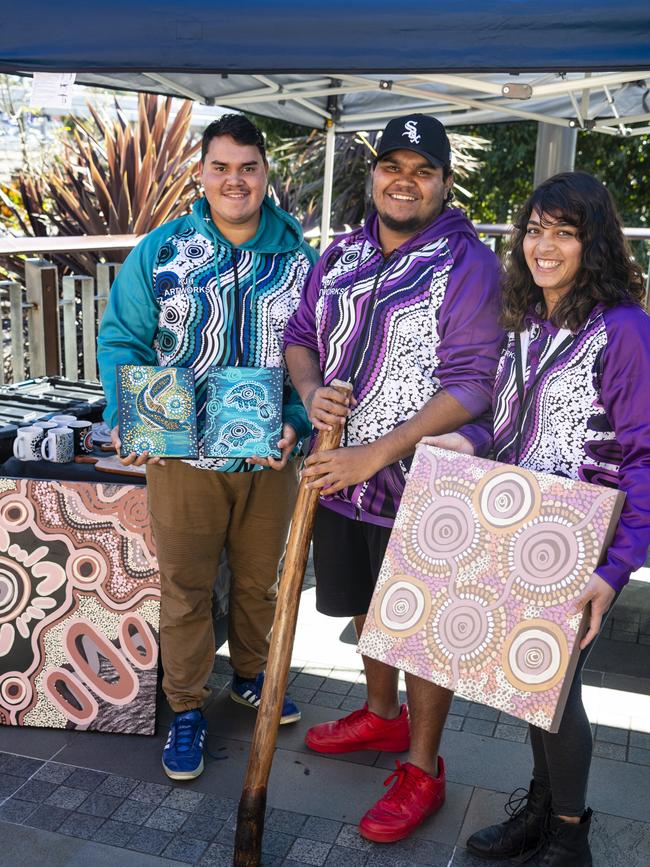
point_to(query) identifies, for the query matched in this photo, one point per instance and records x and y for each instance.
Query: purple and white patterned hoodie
(401, 328)
(587, 418)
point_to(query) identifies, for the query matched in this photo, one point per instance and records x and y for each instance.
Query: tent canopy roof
(356, 62)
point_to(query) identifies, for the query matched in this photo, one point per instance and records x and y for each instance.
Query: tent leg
(328, 179)
(556, 151)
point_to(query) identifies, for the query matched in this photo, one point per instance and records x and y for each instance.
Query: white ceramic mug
(58, 446)
(27, 445)
(45, 425)
(63, 420)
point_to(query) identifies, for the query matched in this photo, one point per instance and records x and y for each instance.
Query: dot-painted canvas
(157, 411)
(243, 412)
(79, 606)
(478, 586)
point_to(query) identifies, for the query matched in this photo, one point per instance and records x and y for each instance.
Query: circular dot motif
(535, 655)
(546, 558)
(505, 499)
(86, 567)
(404, 606)
(15, 691)
(464, 627)
(16, 513)
(15, 589)
(444, 530)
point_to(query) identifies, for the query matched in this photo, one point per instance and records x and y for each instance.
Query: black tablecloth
(65, 472)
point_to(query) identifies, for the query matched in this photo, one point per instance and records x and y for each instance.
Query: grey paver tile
(350, 702)
(276, 843)
(358, 690)
(150, 793)
(332, 684)
(350, 838)
(309, 852)
(165, 819)
(217, 855)
(302, 694)
(86, 779)
(285, 821)
(121, 787)
(512, 720)
(480, 711)
(454, 723)
(36, 791)
(220, 808)
(219, 681)
(53, 772)
(149, 840)
(16, 811)
(201, 827)
(510, 733)
(611, 735)
(459, 706)
(185, 849)
(478, 726)
(114, 833)
(183, 799)
(639, 756)
(66, 797)
(97, 804)
(47, 817)
(327, 699)
(326, 830)
(308, 681)
(18, 766)
(222, 664)
(640, 739)
(342, 857)
(80, 825)
(9, 784)
(610, 751)
(133, 812)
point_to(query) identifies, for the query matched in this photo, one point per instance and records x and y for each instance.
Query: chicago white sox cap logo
(411, 130)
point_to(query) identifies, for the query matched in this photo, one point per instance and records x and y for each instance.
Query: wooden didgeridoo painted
(252, 805)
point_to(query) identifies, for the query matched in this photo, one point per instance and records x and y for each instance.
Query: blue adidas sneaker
(249, 692)
(183, 754)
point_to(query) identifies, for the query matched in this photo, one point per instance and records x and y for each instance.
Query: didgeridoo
(252, 805)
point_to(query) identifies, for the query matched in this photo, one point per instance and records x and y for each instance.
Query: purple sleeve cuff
(474, 397)
(479, 433)
(616, 575)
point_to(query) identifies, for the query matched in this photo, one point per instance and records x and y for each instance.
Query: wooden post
(250, 818)
(41, 282)
(88, 327)
(106, 273)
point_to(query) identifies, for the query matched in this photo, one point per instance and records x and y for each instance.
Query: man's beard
(411, 226)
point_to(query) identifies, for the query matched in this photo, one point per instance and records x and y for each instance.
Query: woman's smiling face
(553, 253)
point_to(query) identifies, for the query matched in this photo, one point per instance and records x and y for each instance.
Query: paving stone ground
(79, 797)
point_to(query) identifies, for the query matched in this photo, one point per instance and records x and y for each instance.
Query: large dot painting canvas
(79, 606)
(478, 586)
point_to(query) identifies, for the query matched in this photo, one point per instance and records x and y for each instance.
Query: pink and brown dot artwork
(479, 582)
(79, 607)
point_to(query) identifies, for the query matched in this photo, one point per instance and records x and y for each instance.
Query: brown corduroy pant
(195, 514)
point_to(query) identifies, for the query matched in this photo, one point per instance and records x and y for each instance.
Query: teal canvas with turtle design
(157, 411)
(244, 412)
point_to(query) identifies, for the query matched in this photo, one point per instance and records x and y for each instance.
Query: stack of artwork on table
(478, 587)
(79, 607)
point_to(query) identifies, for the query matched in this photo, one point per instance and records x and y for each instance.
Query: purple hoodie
(401, 328)
(586, 418)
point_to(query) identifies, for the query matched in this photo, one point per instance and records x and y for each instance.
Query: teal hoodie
(184, 293)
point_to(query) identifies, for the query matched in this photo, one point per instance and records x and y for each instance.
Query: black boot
(520, 833)
(568, 844)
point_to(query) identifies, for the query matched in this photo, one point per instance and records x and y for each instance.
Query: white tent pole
(328, 179)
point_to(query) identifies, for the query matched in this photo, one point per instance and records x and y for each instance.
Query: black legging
(562, 760)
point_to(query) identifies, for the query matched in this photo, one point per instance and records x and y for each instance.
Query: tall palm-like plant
(297, 165)
(112, 177)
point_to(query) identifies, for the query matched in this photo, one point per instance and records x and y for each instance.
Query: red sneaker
(406, 805)
(361, 730)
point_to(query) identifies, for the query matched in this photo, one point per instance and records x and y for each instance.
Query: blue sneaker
(183, 754)
(249, 692)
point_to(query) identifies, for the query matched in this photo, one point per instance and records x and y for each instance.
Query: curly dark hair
(607, 274)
